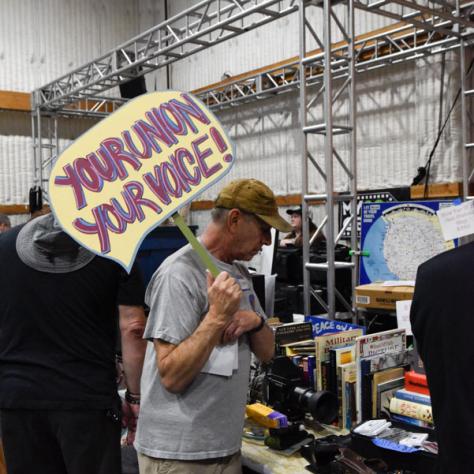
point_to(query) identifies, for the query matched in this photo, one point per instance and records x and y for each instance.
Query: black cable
(440, 133)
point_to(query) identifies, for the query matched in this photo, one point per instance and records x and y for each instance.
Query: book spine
(367, 396)
(311, 372)
(365, 390)
(305, 371)
(348, 406)
(413, 397)
(411, 387)
(332, 373)
(352, 407)
(318, 355)
(411, 421)
(358, 397)
(411, 409)
(324, 375)
(415, 378)
(341, 399)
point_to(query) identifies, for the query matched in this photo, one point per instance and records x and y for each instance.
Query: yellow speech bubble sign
(135, 169)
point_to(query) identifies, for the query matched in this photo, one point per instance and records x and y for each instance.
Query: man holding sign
(203, 330)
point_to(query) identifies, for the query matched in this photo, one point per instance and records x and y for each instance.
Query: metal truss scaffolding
(330, 62)
(45, 146)
(467, 121)
(204, 25)
(326, 74)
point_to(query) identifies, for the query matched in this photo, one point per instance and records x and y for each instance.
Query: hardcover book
(293, 332)
(413, 410)
(324, 343)
(337, 357)
(387, 375)
(346, 380)
(385, 392)
(373, 352)
(404, 394)
(368, 368)
(411, 421)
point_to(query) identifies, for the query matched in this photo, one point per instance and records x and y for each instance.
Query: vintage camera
(284, 390)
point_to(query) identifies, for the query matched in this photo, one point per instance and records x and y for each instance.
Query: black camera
(286, 393)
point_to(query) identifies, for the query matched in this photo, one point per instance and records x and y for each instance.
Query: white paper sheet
(223, 360)
(270, 295)
(403, 315)
(399, 283)
(457, 221)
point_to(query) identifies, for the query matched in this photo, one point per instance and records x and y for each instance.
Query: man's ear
(233, 218)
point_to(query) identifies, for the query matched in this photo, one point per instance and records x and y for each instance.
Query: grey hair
(5, 220)
(219, 214)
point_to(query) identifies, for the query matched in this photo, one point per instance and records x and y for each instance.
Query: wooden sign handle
(197, 246)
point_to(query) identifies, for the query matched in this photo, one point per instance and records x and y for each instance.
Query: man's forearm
(262, 344)
(179, 365)
(132, 324)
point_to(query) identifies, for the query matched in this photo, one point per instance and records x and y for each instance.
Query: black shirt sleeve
(131, 290)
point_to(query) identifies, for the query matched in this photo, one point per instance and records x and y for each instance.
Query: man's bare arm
(132, 325)
(262, 342)
(178, 365)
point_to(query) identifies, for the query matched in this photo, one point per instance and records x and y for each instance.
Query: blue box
(159, 244)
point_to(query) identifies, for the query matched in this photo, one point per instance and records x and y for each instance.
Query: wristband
(133, 399)
(260, 326)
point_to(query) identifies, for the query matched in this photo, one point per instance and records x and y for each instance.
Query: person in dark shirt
(295, 237)
(60, 410)
(441, 320)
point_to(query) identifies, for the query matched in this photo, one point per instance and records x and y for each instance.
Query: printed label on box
(362, 299)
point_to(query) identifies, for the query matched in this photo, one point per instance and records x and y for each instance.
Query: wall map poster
(376, 195)
(399, 237)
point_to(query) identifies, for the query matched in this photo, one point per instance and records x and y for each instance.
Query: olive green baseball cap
(254, 197)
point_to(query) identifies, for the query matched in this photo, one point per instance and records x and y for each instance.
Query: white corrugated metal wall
(40, 41)
(398, 107)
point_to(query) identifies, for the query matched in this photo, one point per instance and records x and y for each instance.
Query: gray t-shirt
(206, 420)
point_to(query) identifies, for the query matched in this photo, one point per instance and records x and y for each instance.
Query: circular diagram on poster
(399, 237)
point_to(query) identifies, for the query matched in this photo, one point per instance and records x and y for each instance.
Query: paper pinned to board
(457, 221)
(403, 315)
(223, 360)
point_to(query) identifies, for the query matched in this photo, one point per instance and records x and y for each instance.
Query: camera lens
(321, 405)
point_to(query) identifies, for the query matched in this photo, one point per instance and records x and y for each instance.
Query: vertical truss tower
(322, 134)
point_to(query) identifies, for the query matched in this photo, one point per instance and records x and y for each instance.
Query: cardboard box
(375, 295)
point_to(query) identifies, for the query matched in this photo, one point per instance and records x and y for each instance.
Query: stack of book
(336, 370)
(368, 373)
(381, 359)
(295, 340)
(412, 404)
(327, 360)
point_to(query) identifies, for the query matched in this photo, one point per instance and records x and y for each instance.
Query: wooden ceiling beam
(17, 101)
